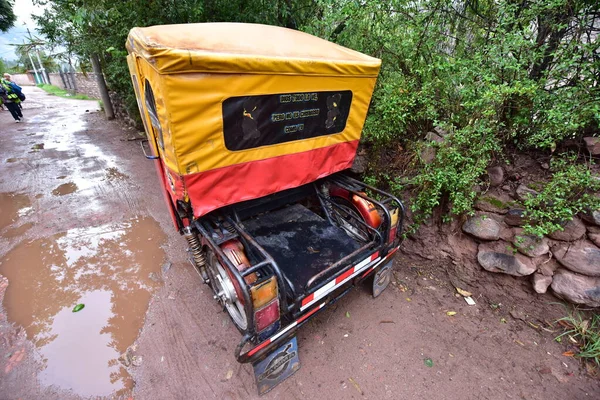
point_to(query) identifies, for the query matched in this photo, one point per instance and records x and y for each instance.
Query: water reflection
(108, 269)
(12, 206)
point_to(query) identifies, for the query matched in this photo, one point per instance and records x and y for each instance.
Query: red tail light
(267, 315)
(393, 232)
(265, 298)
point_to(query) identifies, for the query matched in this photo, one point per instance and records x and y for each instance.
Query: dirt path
(82, 221)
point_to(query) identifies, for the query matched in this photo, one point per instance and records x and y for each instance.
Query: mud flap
(277, 367)
(382, 278)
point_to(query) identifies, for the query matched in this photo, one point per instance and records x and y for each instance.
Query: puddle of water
(108, 268)
(65, 188)
(10, 206)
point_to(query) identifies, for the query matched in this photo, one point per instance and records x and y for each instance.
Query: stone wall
(55, 80)
(23, 79)
(565, 262)
(86, 84)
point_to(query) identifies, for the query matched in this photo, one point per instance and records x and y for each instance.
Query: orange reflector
(394, 216)
(267, 315)
(264, 292)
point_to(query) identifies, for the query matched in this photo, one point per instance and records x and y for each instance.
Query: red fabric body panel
(169, 201)
(229, 185)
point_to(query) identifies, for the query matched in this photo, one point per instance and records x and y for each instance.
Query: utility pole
(37, 78)
(45, 77)
(42, 69)
(108, 109)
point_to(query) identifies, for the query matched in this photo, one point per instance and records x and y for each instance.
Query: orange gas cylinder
(365, 208)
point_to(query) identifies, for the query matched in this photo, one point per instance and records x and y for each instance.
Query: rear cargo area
(301, 242)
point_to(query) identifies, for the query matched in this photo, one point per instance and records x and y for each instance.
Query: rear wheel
(225, 292)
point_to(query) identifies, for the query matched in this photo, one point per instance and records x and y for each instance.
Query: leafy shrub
(458, 166)
(570, 191)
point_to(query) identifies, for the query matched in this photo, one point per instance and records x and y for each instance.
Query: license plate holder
(382, 278)
(277, 366)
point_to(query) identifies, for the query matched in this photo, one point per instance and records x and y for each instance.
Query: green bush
(499, 74)
(570, 191)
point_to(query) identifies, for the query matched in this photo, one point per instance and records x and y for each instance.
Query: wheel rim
(226, 294)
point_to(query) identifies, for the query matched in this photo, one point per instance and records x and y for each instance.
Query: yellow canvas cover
(238, 111)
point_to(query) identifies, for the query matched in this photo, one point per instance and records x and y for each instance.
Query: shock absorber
(197, 255)
(230, 228)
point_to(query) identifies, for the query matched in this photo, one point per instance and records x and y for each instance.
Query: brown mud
(65, 188)
(11, 205)
(111, 246)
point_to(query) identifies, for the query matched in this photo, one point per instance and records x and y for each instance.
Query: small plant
(512, 249)
(569, 192)
(584, 333)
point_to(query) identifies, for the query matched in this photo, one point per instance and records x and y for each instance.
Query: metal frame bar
(389, 197)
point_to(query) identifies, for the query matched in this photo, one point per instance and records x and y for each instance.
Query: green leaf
(78, 307)
(347, 314)
(428, 362)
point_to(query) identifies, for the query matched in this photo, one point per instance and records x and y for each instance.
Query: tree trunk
(108, 109)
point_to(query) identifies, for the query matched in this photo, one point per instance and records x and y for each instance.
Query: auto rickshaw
(252, 129)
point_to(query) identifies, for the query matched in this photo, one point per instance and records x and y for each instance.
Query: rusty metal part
(198, 258)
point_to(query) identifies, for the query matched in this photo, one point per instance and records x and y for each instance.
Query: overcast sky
(23, 10)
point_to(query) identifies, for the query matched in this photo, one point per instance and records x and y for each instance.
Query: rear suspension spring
(197, 255)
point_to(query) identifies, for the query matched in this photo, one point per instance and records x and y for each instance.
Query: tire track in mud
(123, 187)
(181, 357)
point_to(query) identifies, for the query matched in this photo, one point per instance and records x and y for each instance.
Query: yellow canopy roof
(245, 48)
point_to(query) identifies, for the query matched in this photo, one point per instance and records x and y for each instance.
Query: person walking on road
(10, 99)
(15, 88)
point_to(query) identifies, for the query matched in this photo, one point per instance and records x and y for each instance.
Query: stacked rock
(567, 261)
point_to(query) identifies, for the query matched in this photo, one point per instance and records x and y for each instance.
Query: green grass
(56, 91)
(584, 333)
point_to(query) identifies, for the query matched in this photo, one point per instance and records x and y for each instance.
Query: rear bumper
(313, 304)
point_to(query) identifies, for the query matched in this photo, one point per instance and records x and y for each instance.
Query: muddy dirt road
(82, 222)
